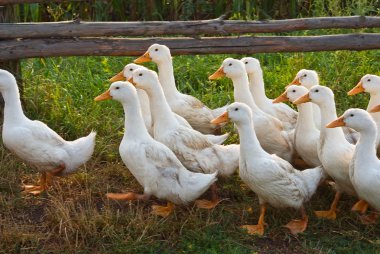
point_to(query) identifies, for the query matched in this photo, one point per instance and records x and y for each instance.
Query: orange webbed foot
(33, 189)
(254, 229)
(207, 204)
(361, 206)
(369, 219)
(163, 211)
(297, 226)
(330, 214)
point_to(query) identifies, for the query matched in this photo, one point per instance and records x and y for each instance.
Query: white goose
(306, 135)
(35, 143)
(278, 141)
(281, 111)
(126, 74)
(371, 84)
(192, 148)
(153, 164)
(334, 151)
(187, 106)
(364, 166)
(273, 179)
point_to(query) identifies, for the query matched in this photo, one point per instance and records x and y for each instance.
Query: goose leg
(259, 228)
(298, 226)
(127, 196)
(163, 211)
(207, 204)
(36, 189)
(360, 206)
(330, 214)
(369, 219)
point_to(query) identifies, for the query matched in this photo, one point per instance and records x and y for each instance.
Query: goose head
(252, 65)
(236, 112)
(157, 53)
(121, 91)
(292, 93)
(126, 73)
(7, 80)
(355, 118)
(317, 94)
(368, 83)
(144, 79)
(230, 68)
(306, 78)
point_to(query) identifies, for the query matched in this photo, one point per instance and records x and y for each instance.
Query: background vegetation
(74, 216)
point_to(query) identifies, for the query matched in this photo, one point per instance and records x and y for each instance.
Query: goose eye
(230, 64)
(246, 62)
(156, 50)
(140, 74)
(369, 80)
(131, 69)
(352, 115)
(317, 91)
(305, 75)
(117, 88)
(236, 109)
(294, 91)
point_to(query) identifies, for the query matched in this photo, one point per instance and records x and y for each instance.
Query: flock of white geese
(171, 147)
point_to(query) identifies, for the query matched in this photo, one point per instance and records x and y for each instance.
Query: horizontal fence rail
(26, 48)
(185, 28)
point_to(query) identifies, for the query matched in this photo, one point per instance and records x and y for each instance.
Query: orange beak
(218, 74)
(336, 123)
(223, 118)
(118, 77)
(281, 98)
(143, 59)
(104, 96)
(375, 109)
(302, 99)
(130, 80)
(357, 89)
(296, 81)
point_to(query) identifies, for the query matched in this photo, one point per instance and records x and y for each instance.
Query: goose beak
(223, 118)
(296, 81)
(118, 77)
(357, 89)
(302, 99)
(375, 109)
(143, 59)
(281, 98)
(104, 96)
(337, 123)
(218, 74)
(130, 80)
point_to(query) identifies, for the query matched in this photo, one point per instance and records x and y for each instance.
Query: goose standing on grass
(126, 74)
(191, 147)
(364, 166)
(269, 130)
(273, 179)
(187, 106)
(334, 151)
(306, 135)
(153, 164)
(370, 84)
(35, 143)
(281, 111)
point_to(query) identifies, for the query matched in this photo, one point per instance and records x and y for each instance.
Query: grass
(74, 215)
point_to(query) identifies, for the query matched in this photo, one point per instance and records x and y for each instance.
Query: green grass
(74, 215)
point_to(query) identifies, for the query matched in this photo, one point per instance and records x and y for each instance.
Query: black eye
(246, 62)
(140, 74)
(317, 91)
(131, 69)
(305, 75)
(117, 88)
(352, 115)
(156, 50)
(369, 80)
(236, 109)
(230, 64)
(294, 91)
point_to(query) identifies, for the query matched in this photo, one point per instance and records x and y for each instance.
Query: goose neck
(248, 139)
(242, 92)
(133, 122)
(166, 77)
(374, 101)
(365, 151)
(257, 88)
(13, 112)
(305, 120)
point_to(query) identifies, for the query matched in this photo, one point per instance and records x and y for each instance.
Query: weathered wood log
(25, 48)
(186, 28)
